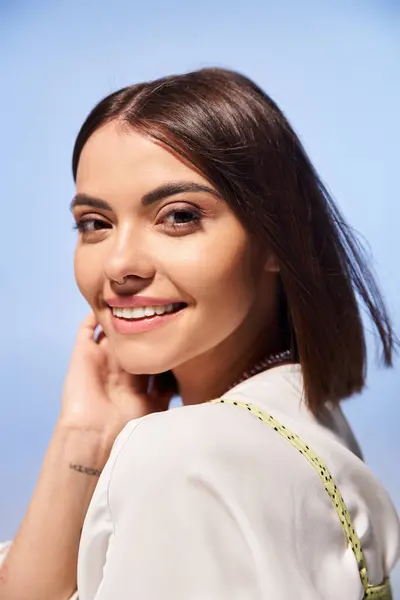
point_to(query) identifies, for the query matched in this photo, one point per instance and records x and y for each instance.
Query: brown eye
(182, 217)
(90, 225)
(181, 221)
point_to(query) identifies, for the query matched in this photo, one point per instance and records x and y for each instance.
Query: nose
(129, 266)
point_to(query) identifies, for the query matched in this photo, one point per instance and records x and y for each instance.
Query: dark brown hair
(236, 135)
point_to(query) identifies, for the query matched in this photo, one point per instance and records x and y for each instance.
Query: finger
(87, 328)
(119, 378)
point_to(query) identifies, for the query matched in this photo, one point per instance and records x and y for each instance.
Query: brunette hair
(240, 140)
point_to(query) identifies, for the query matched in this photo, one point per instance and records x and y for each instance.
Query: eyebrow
(159, 193)
(86, 200)
(176, 187)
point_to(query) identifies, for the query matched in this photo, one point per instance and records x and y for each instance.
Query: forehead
(115, 159)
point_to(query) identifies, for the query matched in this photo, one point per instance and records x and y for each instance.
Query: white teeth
(142, 311)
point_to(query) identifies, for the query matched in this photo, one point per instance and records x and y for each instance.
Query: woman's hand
(98, 395)
(98, 400)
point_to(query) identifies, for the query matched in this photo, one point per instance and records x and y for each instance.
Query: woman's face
(194, 278)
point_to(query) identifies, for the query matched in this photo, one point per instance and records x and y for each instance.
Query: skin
(212, 264)
(202, 256)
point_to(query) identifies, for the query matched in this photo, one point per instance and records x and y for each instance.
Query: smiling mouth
(146, 312)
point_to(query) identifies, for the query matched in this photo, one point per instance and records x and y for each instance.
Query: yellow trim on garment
(378, 592)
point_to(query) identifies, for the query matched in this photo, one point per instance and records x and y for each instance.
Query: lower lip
(142, 325)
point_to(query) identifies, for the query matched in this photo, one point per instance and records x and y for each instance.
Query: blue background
(334, 68)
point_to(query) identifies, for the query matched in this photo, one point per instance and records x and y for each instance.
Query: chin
(143, 363)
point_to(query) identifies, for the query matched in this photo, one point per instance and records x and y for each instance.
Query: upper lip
(138, 301)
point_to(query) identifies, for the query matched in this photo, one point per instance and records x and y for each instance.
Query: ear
(271, 264)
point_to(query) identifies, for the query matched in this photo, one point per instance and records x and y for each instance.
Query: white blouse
(207, 502)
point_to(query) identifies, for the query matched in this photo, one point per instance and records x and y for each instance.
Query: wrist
(83, 447)
(95, 436)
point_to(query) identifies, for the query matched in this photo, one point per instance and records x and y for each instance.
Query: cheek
(220, 272)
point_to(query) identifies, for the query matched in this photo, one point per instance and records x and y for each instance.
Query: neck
(210, 375)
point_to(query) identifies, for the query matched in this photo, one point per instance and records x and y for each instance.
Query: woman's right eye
(91, 225)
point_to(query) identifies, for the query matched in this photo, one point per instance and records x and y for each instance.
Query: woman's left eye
(183, 219)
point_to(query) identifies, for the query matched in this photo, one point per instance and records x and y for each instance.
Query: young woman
(218, 267)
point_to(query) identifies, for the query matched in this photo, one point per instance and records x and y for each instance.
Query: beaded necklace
(270, 361)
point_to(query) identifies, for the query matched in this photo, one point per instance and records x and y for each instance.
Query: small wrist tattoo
(85, 470)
